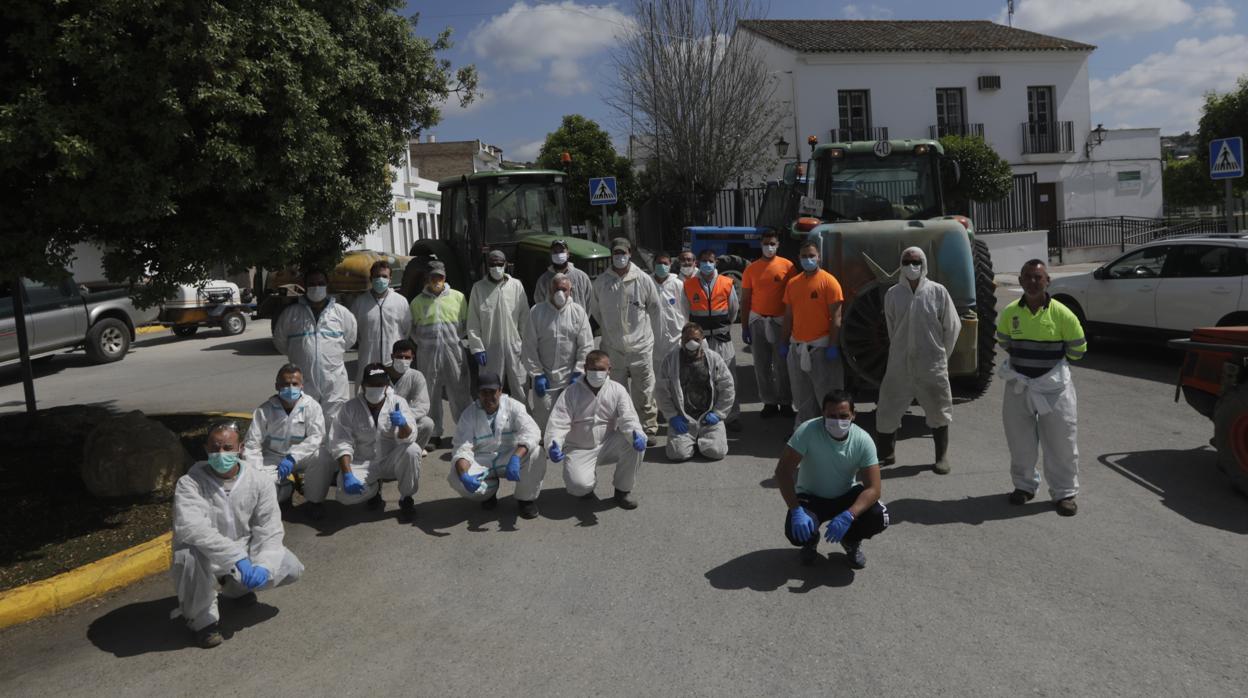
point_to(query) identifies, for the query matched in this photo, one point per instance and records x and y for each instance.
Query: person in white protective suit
(227, 536)
(498, 310)
(371, 440)
(314, 334)
(556, 340)
(696, 388)
(672, 313)
(496, 438)
(410, 384)
(286, 433)
(711, 301)
(923, 327)
(382, 316)
(439, 328)
(594, 424)
(626, 306)
(582, 285)
(1039, 407)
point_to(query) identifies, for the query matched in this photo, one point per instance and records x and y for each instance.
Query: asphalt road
(697, 592)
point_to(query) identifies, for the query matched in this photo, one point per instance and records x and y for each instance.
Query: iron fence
(737, 207)
(955, 129)
(1127, 231)
(1048, 137)
(1013, 213)
(848, 135)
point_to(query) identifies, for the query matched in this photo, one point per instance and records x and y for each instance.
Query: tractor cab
(876, 182)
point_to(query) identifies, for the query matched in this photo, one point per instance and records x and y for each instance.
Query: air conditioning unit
(989, 82)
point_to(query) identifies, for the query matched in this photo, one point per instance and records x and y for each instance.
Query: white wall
(1010, 250)
(1105, 185)
(413, 193)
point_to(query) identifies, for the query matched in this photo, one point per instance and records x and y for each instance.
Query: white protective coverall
(317, 346)
(214, 528)
(377, 453)
(382, 322)
(1042, 411)
(489, 442)
(711, 441)
(412, 387)
(673, 317)
(274, 434)
(439, 324)
(594, 430)
(627, 310)
(720, 340)
(497, 315)
(923, 326)
(556, 341)
(582, 286)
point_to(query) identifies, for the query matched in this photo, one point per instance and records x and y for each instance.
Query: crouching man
(227, 535)
(695, 388)
(286, 432)
(495, 437)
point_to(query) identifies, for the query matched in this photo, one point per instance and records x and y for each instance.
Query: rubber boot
(885, 446)
(940, 437)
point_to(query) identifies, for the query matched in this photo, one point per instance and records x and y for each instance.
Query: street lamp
(1095, 138)
(782, 147)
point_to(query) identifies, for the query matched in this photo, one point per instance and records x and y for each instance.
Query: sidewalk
(1055, 272)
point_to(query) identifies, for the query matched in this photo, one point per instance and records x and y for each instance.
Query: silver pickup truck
(66, 315)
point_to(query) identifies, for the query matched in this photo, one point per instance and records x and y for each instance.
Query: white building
(1026, 93)
(415, 216)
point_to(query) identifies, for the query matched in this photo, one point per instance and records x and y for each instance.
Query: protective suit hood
(922, 256)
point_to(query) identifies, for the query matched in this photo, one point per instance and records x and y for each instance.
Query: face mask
(837, 428)
(661, 271)
(706, 268)
(687, 271)
(619, 261)
(380, 284)
(913, 271)
(401, 365)
(496, 273)
(559, 258)
(810, 263)
(559, 298)
(375, 395)
(769, 251)
(595, 378)
(290, 393)
(692, 345)
(316, 294)
(435, 287)
(222, 461)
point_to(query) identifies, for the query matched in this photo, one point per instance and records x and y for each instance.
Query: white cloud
(524, 152)
(556, 37)
(1167, 89)
(1094, 19)
(866, 12)
(1218, 14)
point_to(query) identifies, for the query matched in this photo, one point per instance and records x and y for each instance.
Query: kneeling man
(286, 432)
(496, 436)
(695, 388)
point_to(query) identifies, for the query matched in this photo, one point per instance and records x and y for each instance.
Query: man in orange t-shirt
(762, 313)
(812, 329)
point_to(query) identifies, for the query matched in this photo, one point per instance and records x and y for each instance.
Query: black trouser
(869, 523)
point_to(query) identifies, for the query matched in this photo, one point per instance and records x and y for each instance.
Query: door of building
(1046, 206)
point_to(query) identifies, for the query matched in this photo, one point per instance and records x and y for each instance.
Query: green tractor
(517, 211)
(865, 202)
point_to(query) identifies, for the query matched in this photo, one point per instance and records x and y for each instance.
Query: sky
(1155, 59)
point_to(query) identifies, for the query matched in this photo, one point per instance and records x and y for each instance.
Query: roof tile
(869, 36)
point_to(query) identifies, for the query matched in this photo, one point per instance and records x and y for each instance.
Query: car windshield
(870, 188)
(519, 209)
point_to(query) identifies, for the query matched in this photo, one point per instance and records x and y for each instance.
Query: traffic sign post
(603, 192)
(1226, 162)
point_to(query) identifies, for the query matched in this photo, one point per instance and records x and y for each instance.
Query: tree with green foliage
(1187, 183)
(981, 174)
(1224, 116)
(182, 134)
(592, 155)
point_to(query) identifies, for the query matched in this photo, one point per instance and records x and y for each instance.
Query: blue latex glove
(472, 483)
(253, 576)
(397, 420)
(832, 353)
(745, 334)
(286, 467)
(576, 375)
(711, 419)
(839, 526)
(351, 484)
(480, 357)
(540, 385)
(639, 441)
(802, 524)
(513, 468)
(784, 350)
(556, 456)
(679, 424)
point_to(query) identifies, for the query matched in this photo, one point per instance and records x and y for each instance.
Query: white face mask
(559, 258)
(375, 394)
(912, 271)
(401, 365)
(496, 273)
(595, 378)
(619, 261)
(688, 271)
(692, 345)
(769, 251)
(316, 294)
(837, 428)
(559, 298)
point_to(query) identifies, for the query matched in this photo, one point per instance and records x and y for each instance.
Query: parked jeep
(67, 315)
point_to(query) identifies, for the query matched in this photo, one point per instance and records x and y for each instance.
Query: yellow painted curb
(48, 596)
(150, 329)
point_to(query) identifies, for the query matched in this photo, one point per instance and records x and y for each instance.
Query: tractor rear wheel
(986, 309)
(733, 267)
(1230, 435)
(864, 334)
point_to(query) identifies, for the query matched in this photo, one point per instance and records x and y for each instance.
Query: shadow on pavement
(260, 346)
(49, 365)
(1146, 360)
(768, 570)
(145, 627)
(968, 510)
(1188, 483)
(891, 471)
(340, 516)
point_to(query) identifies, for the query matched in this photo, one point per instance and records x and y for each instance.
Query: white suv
(1166, 287)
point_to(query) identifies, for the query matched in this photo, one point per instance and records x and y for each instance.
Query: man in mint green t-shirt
(829, 472)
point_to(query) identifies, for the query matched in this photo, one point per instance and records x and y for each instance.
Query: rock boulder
(131, 455)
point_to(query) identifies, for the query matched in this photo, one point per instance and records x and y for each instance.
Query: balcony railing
(953, 129)
(870, 133)
(1048, 137)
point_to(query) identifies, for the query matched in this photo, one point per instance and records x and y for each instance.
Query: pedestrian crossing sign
(602, 191)
(1226, 158)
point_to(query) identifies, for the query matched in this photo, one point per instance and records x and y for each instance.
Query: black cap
(488, 380)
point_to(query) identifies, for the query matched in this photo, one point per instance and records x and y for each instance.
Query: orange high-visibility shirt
(766, 279)
(810, 296)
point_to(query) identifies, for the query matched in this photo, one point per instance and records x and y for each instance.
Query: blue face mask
(810, 263)
(380, 284)
(290, 393)
(706, 268)
(222, 461)
(661, 271)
